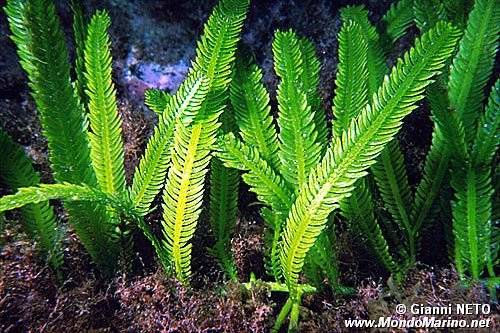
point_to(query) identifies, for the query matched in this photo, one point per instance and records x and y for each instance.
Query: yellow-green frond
(66, 192)
(269, 186)
(104, 121)
(252, 110)
(183, 194)
(150, 174)
(215, 52)
(298, 149)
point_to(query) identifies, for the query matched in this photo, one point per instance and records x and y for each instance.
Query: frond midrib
(187, 170)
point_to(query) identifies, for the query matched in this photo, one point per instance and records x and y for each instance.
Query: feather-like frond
(252, 110)
(183, 192)
(472, 219)
(472, 211)
(389, 171)
(37, 32)
(310, 83)
(150, 174)
(375, 60)
(224, 184)
(392, 182)
(447, 135)
(349, 157)
(38, 220)
(272, 235)
(351, 92)
(105, 135)
(216, 49)
(19, 24)
(41, 43)
(223, 206)
(473, 63)
(80, 26)
(193, 142)
(298, 149)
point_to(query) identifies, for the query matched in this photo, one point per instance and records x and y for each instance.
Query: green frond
(183, 194)
(215, 52)
(298, 149)
(38, 220)
(448, 135)
(66, 192)
(19, 24)
(269, 186)
(150, 174)
(252, 110)
(347, 159)
(223, 209)
(473, 63)
(392, 182)
(157, 100)
(427, 13)
(310, 83)
(40, 40)
(397, 20)
(488, 131)
(80, 25)
(223, 205)
(375, 60)
(472, 219)
(457, 11)
(351, 92)
(105, 136)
